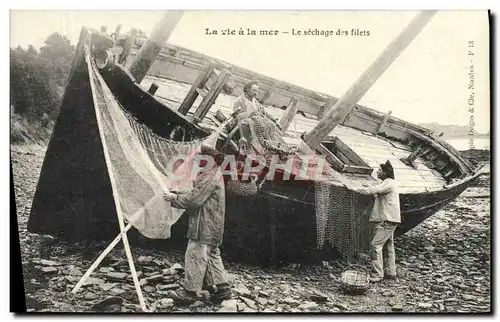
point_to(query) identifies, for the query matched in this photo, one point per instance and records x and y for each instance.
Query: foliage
(37, 78)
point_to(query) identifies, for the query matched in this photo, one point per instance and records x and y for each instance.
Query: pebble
(289, 300)
(165, 303)
(117, 291)
(176, 267)
(72, 279)
(397, 308)
(116, 276)
(93, 281)
(228, 306)
(145, 259)
(46, 262)
(263, 294)
(149, 289)
(250, 303)
(249, 310)
(341, 306)
(307, 306)
(197, 304)
(242, 289)
(49, 270)
(241, 306)
(167, 287)
(75, 272)
(154, 278)
(425, 305)
(319, 297)
(107, 286)
(262, 301)
(106, 269)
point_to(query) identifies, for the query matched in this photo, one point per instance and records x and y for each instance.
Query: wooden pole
(121, 220)
(347, 102)
(289, 114)
(152, 46)
(99, 260)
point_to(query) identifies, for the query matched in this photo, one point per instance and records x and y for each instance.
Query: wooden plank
(192, 95)
(351, 154)
(209, 100)
(289, 114)
(202, 92)
(331, 158)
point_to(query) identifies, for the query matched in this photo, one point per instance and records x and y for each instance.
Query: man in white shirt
(385, 217)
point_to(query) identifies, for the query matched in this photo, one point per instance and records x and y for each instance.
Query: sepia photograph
(239, 161)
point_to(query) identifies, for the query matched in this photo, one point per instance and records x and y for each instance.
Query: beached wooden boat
(74, 199)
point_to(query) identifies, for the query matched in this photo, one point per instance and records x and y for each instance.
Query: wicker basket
(243, 188)
(355, 279)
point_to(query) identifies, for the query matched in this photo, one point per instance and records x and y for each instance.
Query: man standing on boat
(205, 205)
(385, 217)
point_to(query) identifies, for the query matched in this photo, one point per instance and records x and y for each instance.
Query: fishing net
(342, 219)
(142, 165)
(265, 137)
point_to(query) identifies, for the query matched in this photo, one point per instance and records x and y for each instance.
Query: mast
(347, 102)
(153, 45)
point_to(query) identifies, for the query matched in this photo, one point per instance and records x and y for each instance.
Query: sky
(427, 83)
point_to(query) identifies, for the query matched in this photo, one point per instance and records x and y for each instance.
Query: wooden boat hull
(277, 228)
(278, 224)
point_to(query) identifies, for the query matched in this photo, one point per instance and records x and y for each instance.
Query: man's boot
(183, 296)
(222, 293)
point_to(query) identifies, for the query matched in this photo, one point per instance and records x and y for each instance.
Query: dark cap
(388, 169)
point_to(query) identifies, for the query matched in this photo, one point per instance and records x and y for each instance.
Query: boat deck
(373, 150)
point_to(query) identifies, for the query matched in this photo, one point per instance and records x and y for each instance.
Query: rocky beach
(444, 266)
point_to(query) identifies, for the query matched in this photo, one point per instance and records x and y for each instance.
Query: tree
(57, 55)
(38, 77)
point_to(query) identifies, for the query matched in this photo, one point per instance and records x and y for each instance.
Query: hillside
(452, 131)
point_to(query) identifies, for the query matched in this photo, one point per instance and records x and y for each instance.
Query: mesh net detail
(341, 219)
(138, 160)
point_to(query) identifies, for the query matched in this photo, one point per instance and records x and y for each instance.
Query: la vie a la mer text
(294, 32)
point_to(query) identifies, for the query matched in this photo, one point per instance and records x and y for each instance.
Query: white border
(194, 5)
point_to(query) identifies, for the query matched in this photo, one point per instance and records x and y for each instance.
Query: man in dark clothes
(203, 262)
